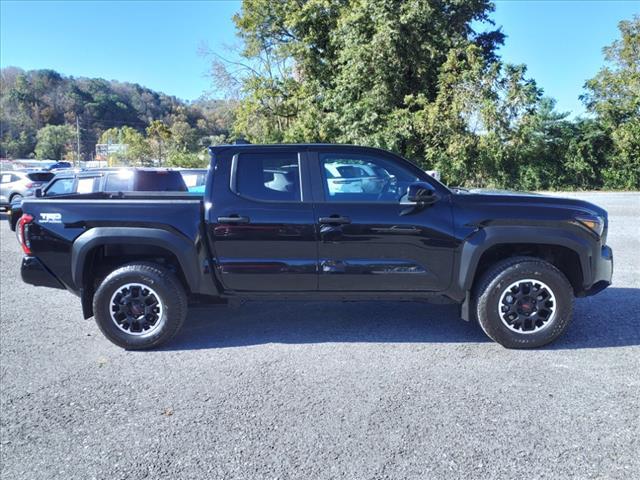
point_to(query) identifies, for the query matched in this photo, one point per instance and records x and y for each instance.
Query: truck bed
(58, 222)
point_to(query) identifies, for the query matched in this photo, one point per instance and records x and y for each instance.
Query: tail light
(23, 232)
(29, 185)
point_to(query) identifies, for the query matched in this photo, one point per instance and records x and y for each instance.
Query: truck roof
(284, 146)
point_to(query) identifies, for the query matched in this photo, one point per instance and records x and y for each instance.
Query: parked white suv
(15, 184)
(356, 178)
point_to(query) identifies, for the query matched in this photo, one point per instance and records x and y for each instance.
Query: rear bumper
(35, 273)
(602, 268)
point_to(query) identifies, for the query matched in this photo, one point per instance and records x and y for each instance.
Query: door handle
(233, 219)
(335, 219)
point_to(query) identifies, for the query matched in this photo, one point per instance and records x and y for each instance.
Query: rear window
(40, 176)
(160, 181)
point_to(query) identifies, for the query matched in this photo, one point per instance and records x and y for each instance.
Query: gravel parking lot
(313, 390)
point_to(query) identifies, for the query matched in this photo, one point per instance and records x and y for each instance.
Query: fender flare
(178, 245)
(481, 241)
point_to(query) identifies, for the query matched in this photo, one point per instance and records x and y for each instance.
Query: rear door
(369, 240)
(6, 179)
(261, 221)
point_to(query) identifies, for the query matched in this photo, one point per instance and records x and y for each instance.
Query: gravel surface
(323, 390)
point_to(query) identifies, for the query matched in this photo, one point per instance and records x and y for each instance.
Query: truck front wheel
(523, 302)
(140, 306)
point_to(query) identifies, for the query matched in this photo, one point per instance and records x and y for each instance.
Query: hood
(491, 191)
(487, 196)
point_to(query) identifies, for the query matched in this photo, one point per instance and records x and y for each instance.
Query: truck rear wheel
(140, 306)
(524, 302)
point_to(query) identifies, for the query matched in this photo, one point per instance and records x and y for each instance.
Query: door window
(268, 176)
(364, 178)
(61, 186)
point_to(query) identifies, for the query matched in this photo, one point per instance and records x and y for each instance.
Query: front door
(369, 240)
(261, 223)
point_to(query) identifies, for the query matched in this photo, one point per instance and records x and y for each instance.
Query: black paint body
(227, 245)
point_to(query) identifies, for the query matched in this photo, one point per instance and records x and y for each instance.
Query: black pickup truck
(318, 221)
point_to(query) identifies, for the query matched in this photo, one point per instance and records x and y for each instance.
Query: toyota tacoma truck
(317, 221)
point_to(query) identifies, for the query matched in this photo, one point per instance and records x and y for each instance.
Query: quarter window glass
(60, 187)
(192, 179)
(363, 178)
(119, 182)
(268, 177)
(88, 185)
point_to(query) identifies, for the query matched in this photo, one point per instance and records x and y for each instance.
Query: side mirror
(38, 193)
(421, 193)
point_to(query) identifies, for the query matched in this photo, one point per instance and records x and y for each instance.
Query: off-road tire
(495, 281)
(171, 295)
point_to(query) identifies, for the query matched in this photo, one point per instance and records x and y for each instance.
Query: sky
(158, 44)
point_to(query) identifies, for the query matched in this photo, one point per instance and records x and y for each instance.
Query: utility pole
(78, 140)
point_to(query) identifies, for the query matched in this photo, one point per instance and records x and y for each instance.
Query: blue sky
(156, 44)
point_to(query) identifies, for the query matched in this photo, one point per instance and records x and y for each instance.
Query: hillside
(32, 100)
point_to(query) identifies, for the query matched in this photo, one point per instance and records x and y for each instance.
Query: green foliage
(54, 141)
(34, 99)
(613, 95)
(137, 152)
(415, 78)
(158, 134)
(412, 77)
(188, 159)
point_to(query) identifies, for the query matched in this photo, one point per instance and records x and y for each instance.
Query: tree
(418, 79)
(158, 134)
(613, 95)
(335, 70)
(54, 141)
(188, 159)
(136, 151)
(30, 100)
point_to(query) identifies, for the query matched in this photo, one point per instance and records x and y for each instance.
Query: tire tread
(481, 297)
(168, 281)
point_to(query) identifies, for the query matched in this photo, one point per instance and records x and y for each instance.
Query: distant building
(106, 150)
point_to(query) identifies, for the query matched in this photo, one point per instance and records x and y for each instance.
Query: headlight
(593, 223)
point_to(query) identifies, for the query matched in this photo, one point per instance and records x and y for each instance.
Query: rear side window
(40, 176)
(194, 179)
(268, 176)
(88, 185)
(10, 178)
(119, 182)
(62, 186)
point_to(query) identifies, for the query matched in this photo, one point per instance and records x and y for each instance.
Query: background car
(104, 180)
(60, 166)
(115, 180)
(356, 178)
(16, 184)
